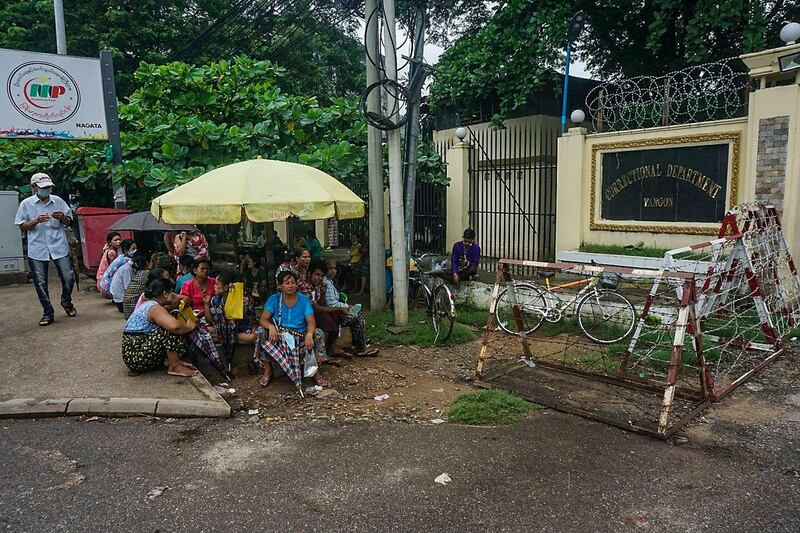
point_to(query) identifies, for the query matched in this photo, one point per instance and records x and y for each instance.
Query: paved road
(551, 472)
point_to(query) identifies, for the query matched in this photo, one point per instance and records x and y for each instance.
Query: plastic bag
(234, 305)
(310, 364)
(610, 280)
(185, 312)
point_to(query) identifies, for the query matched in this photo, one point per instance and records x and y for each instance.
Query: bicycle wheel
(532, 307)
(444, 313)
(606, 316)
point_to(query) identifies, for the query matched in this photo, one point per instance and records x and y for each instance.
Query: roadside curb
(213, 406)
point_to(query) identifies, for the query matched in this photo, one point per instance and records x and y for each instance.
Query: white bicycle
(604, 315)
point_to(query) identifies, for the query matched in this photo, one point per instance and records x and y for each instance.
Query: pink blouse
(108, 257)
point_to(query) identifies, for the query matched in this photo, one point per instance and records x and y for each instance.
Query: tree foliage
(319, 57)
(184, 120)
(134, 31)
(513, 52)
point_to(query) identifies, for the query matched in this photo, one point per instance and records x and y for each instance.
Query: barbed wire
(711, 91)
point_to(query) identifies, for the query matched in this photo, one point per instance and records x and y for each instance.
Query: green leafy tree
(322, 59)
(133, 30)
(513, 52)
(184, 120)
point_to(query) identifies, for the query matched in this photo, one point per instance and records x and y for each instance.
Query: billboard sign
(49, 96)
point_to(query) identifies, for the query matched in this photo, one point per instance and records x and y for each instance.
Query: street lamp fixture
(789, 62)
(790, 33)
(577, 117)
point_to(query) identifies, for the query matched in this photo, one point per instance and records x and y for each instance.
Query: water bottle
(354, 310)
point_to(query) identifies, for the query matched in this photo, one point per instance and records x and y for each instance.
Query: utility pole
(377, 245)
(417, 76)
(61, 34)
(399, 255)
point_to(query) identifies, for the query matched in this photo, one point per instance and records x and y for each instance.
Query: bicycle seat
(547, 274)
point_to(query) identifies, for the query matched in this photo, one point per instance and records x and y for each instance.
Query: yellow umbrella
(262, 190)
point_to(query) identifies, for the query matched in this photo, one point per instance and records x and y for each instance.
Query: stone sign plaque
(682, 184)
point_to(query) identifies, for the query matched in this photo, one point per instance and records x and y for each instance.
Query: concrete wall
(764, 164)
(774, 153)
(580, 174)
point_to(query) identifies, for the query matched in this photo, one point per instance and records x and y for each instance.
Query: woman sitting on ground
(135, 289)
(110, 252)
(123, 276)
(152, 275)
(287, 260)
(230, 331)
(255, 279)
(347, 317)
(193, 293)
(200, 285)
(193, 244)
(326, 318)
(152, 336)
(305, 287)
(127, 248)
(286, 312)
(186, 263)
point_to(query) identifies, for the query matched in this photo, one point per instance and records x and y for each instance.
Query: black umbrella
(144, 221)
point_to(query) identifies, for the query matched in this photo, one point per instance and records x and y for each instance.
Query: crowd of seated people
(175, 305)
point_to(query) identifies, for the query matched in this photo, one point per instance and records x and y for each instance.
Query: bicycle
(604, 315)
(435, 298)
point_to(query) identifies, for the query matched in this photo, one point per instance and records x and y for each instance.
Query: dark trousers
(39, 272)
(464, 274)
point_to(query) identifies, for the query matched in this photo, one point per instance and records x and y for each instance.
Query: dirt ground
(420, 383)
(758, 423)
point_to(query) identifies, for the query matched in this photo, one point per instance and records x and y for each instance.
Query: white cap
(41, 180)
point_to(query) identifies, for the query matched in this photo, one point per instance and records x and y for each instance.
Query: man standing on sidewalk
(45, 217)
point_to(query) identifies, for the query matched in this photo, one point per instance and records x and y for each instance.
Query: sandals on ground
(264, 382)
(46, 321)
(71, 311)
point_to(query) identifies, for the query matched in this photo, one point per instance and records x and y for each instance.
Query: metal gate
(430, 212)
(512, 201)
(355, 226)
(429, 218)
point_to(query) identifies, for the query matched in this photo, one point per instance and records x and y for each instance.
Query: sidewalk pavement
(74, 366)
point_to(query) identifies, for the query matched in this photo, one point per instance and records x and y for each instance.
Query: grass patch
(471, 316)
(637, 251)
(488, 408)
(419, 332)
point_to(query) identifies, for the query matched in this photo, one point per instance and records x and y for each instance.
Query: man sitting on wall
(465, 257)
